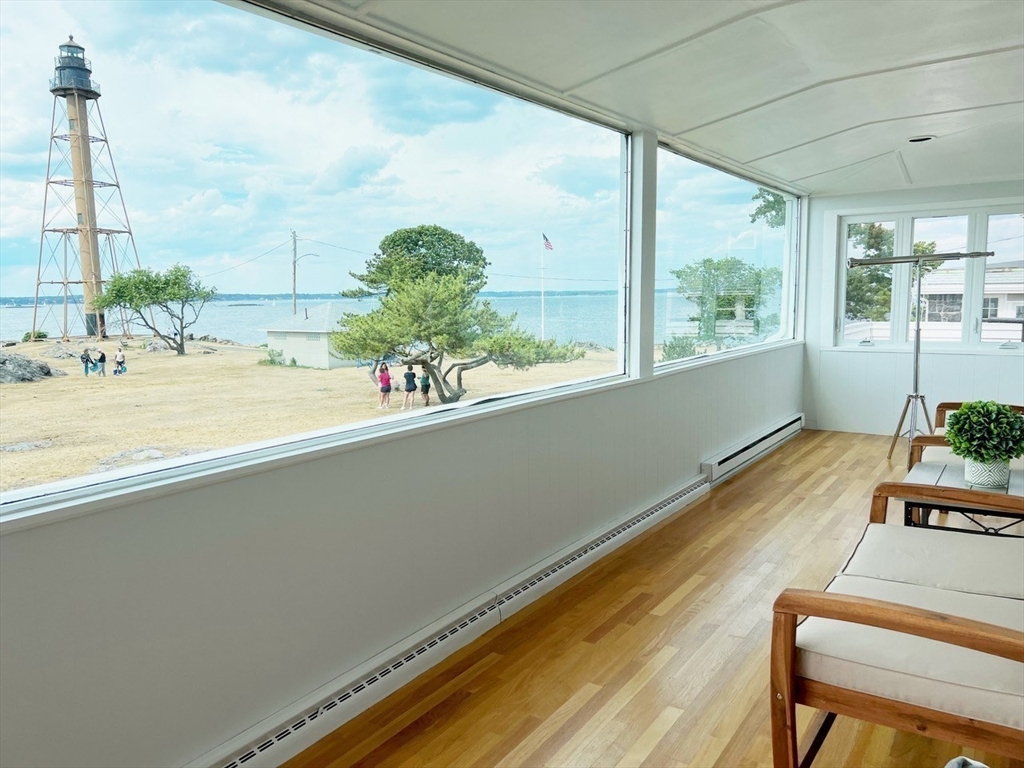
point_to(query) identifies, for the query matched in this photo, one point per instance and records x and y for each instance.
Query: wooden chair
(937, 442)
(954, 670)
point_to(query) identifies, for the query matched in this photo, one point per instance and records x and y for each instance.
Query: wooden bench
(921, 630)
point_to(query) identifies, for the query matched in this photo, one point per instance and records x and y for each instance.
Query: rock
(10, 343)
(20, 447)
(148, 455)
(17, 368)
(590, 346)
(204, 350)
(215, 340)
(155, 346)
(59, 352)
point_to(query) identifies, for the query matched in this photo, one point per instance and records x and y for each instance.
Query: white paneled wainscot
(147, 632)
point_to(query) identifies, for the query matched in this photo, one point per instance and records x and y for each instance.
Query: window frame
(977, 213)
(792, 261)
(75, 496)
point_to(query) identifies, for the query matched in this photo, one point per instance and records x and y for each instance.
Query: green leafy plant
(29, 336)
(986, 431)
(274, 357)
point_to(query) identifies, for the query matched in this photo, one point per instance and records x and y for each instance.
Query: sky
(229, 130)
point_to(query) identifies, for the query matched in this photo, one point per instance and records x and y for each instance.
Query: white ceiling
(819, 95)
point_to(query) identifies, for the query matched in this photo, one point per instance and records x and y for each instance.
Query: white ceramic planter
(992, 474)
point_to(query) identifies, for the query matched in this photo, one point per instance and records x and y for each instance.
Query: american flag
(547, 243)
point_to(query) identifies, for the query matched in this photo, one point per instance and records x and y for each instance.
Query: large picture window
(342, 223)
(722, 261)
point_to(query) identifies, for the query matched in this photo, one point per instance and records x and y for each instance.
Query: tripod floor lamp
(915, 397)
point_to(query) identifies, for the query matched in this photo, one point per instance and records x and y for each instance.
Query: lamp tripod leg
(927, 418)
(899, 427)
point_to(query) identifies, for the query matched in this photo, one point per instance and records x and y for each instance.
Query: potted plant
(987, 435)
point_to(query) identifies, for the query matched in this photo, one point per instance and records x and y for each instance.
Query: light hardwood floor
(658, 654)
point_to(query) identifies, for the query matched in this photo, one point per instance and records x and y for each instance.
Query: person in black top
(101, 363)
(86, 360)
(410, 388)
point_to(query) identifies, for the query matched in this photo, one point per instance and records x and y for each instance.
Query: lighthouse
(85, 232)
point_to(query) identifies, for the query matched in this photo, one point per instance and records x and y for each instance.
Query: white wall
(150, 632)
(312, 353)
(864, 389)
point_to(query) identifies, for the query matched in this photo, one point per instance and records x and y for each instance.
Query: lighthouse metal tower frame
(84, 216)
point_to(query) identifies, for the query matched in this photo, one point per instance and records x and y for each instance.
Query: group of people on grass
(384, 376)
(98, 364)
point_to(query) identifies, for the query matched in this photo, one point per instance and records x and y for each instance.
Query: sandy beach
(67, 426)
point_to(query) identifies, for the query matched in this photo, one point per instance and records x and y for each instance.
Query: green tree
(722, 287)
(430, 314)
(771, 208)
(177, 293)
(409, 254)
(869, 289)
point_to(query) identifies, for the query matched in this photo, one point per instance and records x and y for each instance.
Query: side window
(942, 282)
(722, 265)
(1003, 299)
(867, 305)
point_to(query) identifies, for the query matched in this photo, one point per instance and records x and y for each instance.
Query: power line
(339, 247)
(248, 261)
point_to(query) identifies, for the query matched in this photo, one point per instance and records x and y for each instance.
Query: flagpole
(543, 247)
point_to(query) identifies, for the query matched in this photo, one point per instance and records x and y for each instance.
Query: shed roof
(321, 318)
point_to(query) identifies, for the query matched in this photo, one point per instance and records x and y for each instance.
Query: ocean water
(577, 317)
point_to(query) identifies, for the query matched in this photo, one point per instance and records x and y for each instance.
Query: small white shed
(304, 337)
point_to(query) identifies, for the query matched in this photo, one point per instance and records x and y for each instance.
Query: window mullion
(643, 148)
(974, 277)
(901, 280)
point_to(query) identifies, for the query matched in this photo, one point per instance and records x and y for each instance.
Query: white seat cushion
(983, 565)
(915, 670)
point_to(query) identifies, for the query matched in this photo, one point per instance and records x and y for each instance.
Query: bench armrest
(969, 497)
(966, 633)
(943, 408)
(919, 443)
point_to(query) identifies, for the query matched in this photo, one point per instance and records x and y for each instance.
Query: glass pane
(473, 236)
(1002, 309)
(721, 248)
(942, 282)
(868, 302)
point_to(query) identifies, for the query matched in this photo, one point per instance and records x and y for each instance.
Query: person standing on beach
(410, 388)
(101, 363)
(119, 362)
(425, 387)
(86, 360)
(385, 387)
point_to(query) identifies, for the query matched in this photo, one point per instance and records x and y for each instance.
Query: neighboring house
(1002, 309)
(305, 337)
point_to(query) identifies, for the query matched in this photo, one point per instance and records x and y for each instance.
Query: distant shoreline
(21, 302)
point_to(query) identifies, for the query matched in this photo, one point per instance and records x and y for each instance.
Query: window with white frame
(1003, 299)
(722, 261)
(867, 307)
(968, 301)
(470, 234)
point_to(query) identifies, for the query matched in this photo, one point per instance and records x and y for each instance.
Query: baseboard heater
(291, 730)
(729, 461)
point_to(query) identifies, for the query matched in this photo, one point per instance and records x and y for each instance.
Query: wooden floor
(658, 654)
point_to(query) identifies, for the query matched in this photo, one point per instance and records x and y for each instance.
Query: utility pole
(295, 261)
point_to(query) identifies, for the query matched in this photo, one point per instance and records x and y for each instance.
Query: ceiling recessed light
(920, 139)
